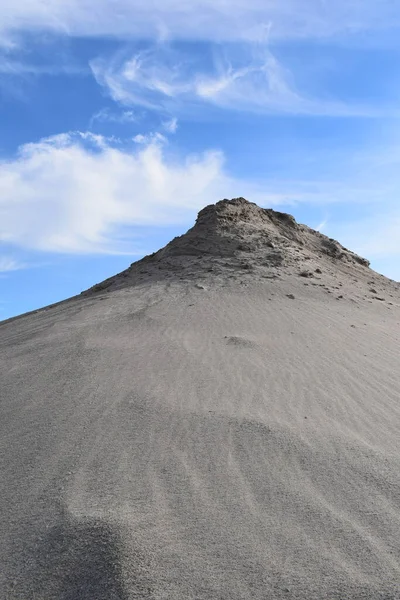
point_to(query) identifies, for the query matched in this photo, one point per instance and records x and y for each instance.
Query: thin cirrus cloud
(246, 78)
(105, 115)
(8, 264)
(170, 126)
(200, 19)
(322, 225)
(76, 192)
(17, 68)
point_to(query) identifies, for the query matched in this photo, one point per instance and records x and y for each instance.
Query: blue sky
(119, 122)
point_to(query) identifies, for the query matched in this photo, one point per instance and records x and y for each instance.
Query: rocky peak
(231, 227)
(240, 213)
(234, 236)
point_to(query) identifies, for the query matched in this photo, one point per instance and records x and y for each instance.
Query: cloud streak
(17, 69)
(105, 115)
(8, 264)
(171, 126)
(215, 20)
(245, 78)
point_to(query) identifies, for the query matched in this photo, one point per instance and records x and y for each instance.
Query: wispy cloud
(248, 77)
(171, 125)
(17, 68)
(16, 71)
(201, 19)
(105, 115)
(322, 225)
(154, 137)
(8, 264)
(242, 75)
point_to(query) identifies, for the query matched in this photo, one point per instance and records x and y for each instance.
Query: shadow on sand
(76, 559)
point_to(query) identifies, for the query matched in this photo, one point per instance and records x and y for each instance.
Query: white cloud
(322, 225)
(150, 138)
(244, 77)
(13, 67)
(83, 193)
(106, 115)
(78, 192)
(171, 126)
(162, 79)
(7, 264)
(200, 19)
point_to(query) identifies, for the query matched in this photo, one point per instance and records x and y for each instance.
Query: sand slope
(229, 435)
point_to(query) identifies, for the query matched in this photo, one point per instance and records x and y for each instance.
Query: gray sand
(216, 423)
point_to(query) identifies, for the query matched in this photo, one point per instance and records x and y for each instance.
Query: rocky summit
(238, 238)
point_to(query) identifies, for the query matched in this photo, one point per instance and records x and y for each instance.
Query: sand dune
(221, 422)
